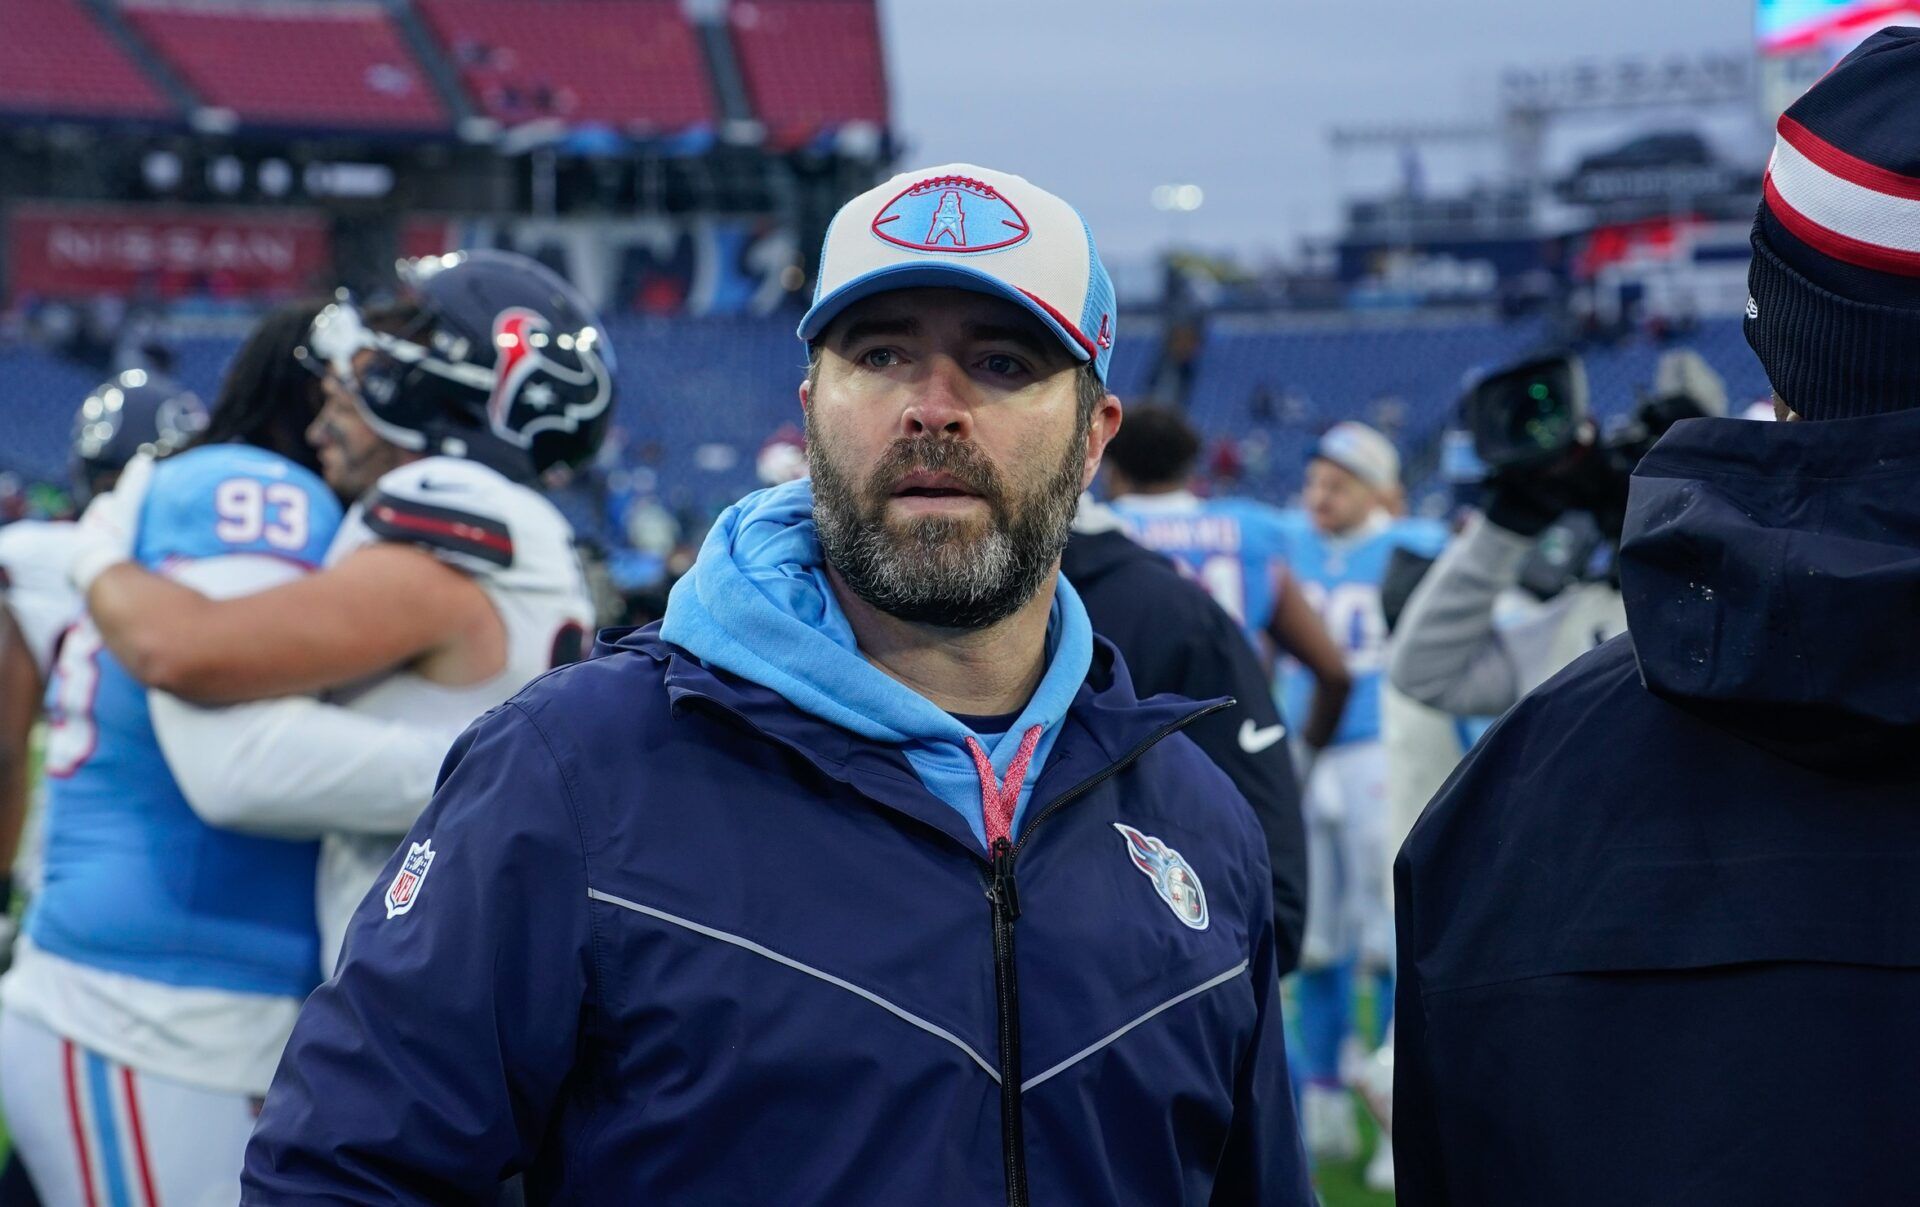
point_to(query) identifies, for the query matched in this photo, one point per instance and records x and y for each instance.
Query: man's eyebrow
(868, 328)
(1024, 337)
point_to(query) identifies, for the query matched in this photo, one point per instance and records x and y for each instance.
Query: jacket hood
(758, 604)
(1771, 573)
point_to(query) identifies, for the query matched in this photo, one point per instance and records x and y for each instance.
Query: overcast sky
(1101, 100)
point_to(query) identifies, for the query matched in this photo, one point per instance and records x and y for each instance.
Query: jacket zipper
(1006, 907)
(1004, 896)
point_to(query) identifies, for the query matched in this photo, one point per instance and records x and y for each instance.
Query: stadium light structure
(1178, 198)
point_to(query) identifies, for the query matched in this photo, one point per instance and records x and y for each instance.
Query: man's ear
(1104, 423)
(806, 393)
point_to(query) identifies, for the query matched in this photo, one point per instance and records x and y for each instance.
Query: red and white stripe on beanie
(1842, 206)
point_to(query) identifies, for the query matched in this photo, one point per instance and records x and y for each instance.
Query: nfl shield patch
(405, 888)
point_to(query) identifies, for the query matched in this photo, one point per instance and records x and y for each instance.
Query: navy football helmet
(137, 411)
(496, 359)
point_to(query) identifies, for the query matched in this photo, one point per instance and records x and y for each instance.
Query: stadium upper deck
(643, 68)
(336, 65)
(57, 61)
(810, 65)
(622, 63)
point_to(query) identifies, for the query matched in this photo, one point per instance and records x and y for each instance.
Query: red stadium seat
(338, 65)
(623, 63)
(56, 61)
(810, 65)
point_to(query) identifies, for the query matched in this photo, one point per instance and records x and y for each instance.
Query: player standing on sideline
(450, 584)
(163, 959)
(133, 412)
(1232, 547)
(1339, 550)
(730, 912)
(1657, 934)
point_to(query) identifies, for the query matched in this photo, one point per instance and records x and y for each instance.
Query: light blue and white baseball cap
(964, 227)
(1362, 452)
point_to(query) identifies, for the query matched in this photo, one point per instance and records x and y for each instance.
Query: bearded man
(823, 890)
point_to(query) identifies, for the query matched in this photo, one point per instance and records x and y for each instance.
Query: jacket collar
(1105, 724)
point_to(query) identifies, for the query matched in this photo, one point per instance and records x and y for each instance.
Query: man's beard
(940, 570)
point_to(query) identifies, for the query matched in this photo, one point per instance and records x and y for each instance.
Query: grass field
(1342, 1184)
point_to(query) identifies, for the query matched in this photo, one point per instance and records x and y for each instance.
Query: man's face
(1337, 500)
(947, 454)
(352, 455)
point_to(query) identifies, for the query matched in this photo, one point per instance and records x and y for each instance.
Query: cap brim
(920, 274)
(1352, 466)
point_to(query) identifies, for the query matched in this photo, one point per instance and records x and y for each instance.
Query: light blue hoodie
(757, 604)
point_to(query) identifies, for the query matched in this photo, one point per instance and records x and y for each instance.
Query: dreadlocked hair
(268, 398)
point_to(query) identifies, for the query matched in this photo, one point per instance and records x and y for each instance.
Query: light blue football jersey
(135, 882)
(1340, 577)
(1232, 547)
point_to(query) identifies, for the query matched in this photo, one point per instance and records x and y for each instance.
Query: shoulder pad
(235, 499)
(1419, 535)
(461, 509)
(1253, 513)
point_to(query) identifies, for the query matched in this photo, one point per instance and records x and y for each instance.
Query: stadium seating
(810, 65)
(38, 396)
(624, 63)
(699, 395)
(56, 61)
(333, 66)
(1288, 383)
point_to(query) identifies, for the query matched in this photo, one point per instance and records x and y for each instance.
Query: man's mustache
(961, 459)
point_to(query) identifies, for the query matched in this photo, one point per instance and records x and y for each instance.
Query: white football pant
(93, 1132)
(1349, 910)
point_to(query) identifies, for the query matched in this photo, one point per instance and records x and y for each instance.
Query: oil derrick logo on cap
(951, 214)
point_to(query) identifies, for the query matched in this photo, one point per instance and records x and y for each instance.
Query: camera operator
(1542, 551)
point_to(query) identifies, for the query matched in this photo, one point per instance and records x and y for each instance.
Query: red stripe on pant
(139, 1138)
(73, 1116)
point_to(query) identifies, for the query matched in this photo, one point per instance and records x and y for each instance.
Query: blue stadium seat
(38, 396)
(700, 395)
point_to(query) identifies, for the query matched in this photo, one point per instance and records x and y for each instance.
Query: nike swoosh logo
(1254, 739)
(431, 485)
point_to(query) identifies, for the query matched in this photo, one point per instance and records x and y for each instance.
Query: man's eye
(1002, 364)
(880, 358)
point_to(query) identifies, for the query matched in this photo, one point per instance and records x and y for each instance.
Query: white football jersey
(519, 548)
(34, 587)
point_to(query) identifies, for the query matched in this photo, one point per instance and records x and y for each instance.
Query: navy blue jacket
(681, 943)
(1660, 934)
(1174, 638)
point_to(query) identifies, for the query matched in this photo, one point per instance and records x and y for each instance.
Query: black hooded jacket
(1660, 934)
(1175, 639)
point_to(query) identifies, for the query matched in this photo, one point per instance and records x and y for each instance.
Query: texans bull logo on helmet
(530, 362)
(951, 213)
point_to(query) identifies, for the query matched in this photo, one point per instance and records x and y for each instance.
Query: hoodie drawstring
(998, 800)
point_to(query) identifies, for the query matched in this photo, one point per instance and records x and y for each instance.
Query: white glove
(105, 534)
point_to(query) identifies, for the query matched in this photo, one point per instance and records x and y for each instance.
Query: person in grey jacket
(1472, 641)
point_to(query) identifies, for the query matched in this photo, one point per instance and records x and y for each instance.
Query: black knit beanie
(1834, 292)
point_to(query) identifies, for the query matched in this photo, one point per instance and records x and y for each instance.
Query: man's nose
(944, 405)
